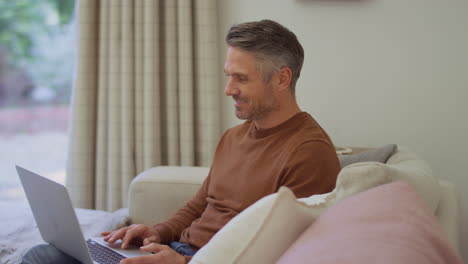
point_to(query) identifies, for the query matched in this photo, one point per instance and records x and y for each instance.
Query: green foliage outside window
(20, 20)
(36, 51)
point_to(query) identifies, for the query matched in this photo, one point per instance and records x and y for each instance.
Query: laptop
(58, 224)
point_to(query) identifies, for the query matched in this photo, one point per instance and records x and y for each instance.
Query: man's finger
(106, 233)
(155, 247)
(127, 238)
(106, 238)
(149, 240)
(117, 235)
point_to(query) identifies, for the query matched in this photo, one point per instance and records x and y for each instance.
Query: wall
(377, 72)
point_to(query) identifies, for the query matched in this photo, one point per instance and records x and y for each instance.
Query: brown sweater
(250, 164)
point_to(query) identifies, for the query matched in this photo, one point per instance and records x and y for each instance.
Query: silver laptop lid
(54, 214)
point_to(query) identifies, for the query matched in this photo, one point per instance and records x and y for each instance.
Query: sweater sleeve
(311, 169)
(171, 229)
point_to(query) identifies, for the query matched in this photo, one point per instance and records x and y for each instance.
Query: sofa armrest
(156, 194)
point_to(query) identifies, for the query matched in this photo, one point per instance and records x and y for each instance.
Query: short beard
(261, 111)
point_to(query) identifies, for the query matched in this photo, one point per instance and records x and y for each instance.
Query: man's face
(253, 98)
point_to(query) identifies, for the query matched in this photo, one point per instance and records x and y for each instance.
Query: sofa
(387, 207)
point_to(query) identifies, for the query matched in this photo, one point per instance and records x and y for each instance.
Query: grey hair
(274, 46)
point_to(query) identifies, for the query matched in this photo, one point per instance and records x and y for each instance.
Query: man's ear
(284, 78)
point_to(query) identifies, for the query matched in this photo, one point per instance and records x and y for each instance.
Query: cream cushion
(403, 165)
(261, 233)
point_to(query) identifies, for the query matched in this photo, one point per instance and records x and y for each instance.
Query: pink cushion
(386, 224)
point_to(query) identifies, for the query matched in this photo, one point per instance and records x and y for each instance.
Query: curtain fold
(146, 94)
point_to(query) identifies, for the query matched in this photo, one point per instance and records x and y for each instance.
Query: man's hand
(164, 255)
(137, 235)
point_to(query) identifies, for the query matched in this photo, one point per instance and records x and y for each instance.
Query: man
(277, 146)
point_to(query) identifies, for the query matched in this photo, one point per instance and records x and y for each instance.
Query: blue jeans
(48, 254)
(182, 248)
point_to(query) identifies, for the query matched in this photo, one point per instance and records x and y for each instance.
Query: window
(37, 45)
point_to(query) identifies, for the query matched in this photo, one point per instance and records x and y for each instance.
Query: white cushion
(261, 233)
(403, 165)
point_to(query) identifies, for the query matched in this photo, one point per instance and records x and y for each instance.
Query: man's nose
(230, 89)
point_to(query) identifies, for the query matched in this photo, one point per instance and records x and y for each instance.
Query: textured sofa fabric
(387, 224)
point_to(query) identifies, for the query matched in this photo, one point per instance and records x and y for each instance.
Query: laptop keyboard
(102, 254)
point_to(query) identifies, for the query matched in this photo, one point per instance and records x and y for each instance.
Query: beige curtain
(146, 94)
